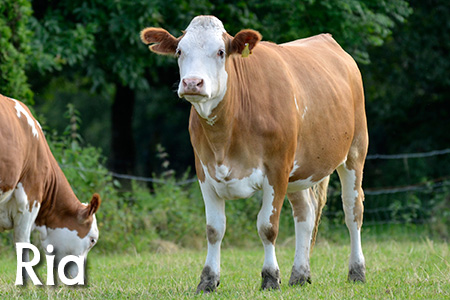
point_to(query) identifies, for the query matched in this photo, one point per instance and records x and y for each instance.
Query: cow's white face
(68, 242)
(201, 58)
(202, 52)
(73, 241)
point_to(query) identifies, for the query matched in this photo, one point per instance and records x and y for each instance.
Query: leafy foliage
(14, 48)
(356, 25)
(81, 51)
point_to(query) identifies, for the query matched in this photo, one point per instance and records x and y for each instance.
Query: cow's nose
(192, 85)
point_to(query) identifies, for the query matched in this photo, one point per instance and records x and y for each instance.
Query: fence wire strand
(381, 191)
(408, 155)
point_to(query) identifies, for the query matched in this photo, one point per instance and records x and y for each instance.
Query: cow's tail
(320, 193)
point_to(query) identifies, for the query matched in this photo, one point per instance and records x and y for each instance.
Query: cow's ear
(94, 204)
(159, 40)
(244, 41)
(90, 209)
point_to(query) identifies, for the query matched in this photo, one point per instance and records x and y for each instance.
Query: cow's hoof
(270, 280)
(357, 273)
(209, 281)
(300, 276)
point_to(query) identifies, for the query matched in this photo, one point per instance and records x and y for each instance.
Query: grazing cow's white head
(201, 52)
(78, 234)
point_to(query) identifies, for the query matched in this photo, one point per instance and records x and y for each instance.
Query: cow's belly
(233, 188)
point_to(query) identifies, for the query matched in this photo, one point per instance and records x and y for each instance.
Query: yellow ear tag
(246, 51)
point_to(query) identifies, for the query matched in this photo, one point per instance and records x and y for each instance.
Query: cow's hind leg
(215, 230)
(352, 200)
(303, 210)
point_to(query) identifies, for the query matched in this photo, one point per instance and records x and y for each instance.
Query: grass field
(397, 268)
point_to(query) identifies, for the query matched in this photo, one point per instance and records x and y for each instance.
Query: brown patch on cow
(298, 206)
(270, 233)
(212, 234)
(358, 210)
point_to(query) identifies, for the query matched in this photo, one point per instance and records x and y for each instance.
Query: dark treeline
(88, 53)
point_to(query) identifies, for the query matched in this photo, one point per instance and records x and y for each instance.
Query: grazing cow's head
(78, 240)
(201, 52)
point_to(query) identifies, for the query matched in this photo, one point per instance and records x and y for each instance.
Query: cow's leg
(215, 230)
(24, 219)
(303, 210)
(352, 200)
(267, 223)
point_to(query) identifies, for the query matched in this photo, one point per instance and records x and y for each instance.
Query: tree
(14, 49)
(408, 90)
(99, 40)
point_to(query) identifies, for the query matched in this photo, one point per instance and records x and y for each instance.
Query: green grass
(397, 268)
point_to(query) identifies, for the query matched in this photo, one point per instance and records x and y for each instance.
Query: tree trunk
(123, 150)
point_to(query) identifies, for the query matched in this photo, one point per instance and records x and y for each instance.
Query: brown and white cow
(280, 120)
(35, 194)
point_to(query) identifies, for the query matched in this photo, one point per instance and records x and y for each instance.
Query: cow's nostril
(200, 83)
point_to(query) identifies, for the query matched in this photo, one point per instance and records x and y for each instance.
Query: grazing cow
(35, 194)
(280, 120)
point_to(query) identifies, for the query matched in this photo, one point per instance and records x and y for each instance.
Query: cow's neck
(218, 128)
(229, 113)
(59, 201)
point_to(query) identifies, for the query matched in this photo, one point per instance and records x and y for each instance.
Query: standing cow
(281, 120)
(35, 194)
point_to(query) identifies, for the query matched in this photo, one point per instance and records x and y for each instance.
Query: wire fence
(413, 203)
(380, 191)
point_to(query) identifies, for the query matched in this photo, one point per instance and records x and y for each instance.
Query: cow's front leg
(24, 219)
(268, 219)
(215, 230)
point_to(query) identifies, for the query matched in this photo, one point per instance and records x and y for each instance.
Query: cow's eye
(221, 53)
(93, 241)
(178, 53)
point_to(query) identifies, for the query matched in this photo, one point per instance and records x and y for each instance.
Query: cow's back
(330, 103)
(24, 152)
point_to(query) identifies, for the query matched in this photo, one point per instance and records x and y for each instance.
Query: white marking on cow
(304, 112)
(222, 172)
(217, 189)
(23, 218)
(303, 233)
(349, 196)
(263, 223)
(199, 46)
(38, 124)
(67, 242)
(294, 168)
(215, 217)
(301, 184)
(296, 104)
(211, 121)
(21, 110)
(235, 187)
